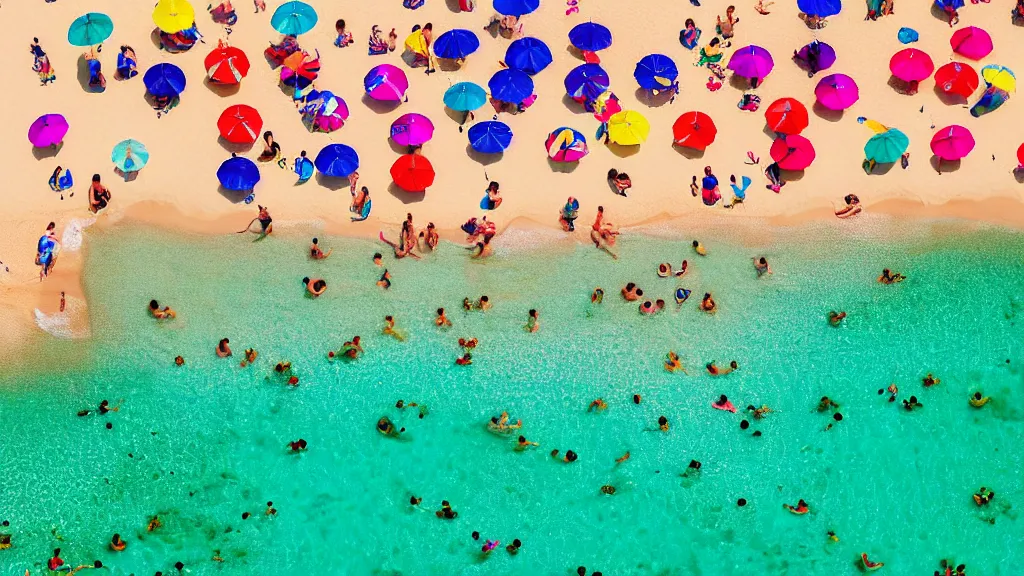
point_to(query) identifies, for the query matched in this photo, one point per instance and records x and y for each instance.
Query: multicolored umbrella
(48, 130)
(819, 8)
(628, 128)
(240, 124)
(948, 5)
(510, 85)
(337, 160)
(90, 29)
(586, 82)
(294, 18)
(412, 130)
(991, 99)
(837, 92)
(226, 65)
(971, 42)
(786, 116)
(792, 152)
(694, 130)
(456, 44)
(129, 156)
(465, 97)
(515, 7)
(911, 65)
(566, 145)
(751, 62)
(952, 143)
(999, 76)
(957, 78)
(164, 80)
(528, 54)
(386, 82)
(238, 173)
(324, 111)
(590, 37)
(887, 146)
(172, 16)
(655, 72)
(412, 173)
(491, 137)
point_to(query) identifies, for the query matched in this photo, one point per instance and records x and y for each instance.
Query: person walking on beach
(603, 234)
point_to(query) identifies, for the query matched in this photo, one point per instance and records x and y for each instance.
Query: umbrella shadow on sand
(234, 147)
(222, 90)
(405, 197)
(688, 153)
(448, 65)
(563, 167)
(333, 183)
(881, 169)
(741, 83)
(572, 105)
(791, 175)
(652, 100)
(949, 99)
(83, 77)
(900, 86)
(233, 196)
(453, 5)
(481, 158)
(48, 152)
(943, 166)
(398, 148)
(826, 114)
(623, 151)
(380, 106)
(939, 13)
(126, 176)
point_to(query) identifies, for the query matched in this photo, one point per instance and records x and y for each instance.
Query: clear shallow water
(207, 440)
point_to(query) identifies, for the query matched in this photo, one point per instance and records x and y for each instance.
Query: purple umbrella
(837, 92)
(751, 62)
(815, 57)
(412, 130)
(47, 130)
(386, 82)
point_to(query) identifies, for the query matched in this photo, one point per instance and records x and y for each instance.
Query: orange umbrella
(412, 173)
(694, 130)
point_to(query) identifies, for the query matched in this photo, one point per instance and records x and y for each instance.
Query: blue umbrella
(164, 80)
(953, 4)
(655, 72)
(465, 97)
(490, 137)
(515, 7)
(529, 55)
(455, 44)
(511, 85)
(294, 18)
(337, 160)
(586, 81)
(238, 173)
(590, 37)
(819, 8)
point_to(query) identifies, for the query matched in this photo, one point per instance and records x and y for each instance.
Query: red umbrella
(412, 173)
(240, 124)
(694, 130)
(957, 78)
(226, 65)
(911, 65)
(1020, 155)
(786, 116)
(792, 152)
(952, 143)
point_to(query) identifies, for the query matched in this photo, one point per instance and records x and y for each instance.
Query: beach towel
(749, 102)
(708, 59)
(741, 192)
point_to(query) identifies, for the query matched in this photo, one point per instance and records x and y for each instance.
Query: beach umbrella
(465, 97)
(586, 82)
(792, 152)
(324, 111)
(515, 7)
(386, 82)
(164, 80)
(751, 62)
(528, 54)
(655, 72)
(911, 65)
(991, 99)
(412, 130)
(491, 137)
(971, 42)
(949, 4)
(819, 8)
(129, 156)
(238, 173)
(293, 18)
(694, 130)
(172, 16)
(887, 146)
(456, 44)
(90, 29)
(337, 160)
(590, 37)
(1000, 77)
(957, 78)
(824, 55)
(412, 173)
(1020, 155)
(240, 124)
(628, 128)
(510, 85)
(226, 65)
(566, 145)
(48, 130)
(952, 142)
(786, 116)
(837, 92)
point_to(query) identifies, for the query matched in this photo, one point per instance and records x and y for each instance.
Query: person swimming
(387, 428)
(889, 277)
(117, 544)
(723, 403)
(501, 424)
(650, 308)
(316, 253)
(597, 404)
(912, 403)
(977, 400)
(699, 248)
(800, 509)
(597, 296)
(681, 295)
(663, 424)
(826, 403)
(161, 313)
(442, 321)
(223, 350)
(672, 363)
(297, 446)
(929, 381)
(631, 292)
(385, 280)
(523, 444)
(708, 304)
(759, 413)
(446, 512)
(569, 457)
(389, 329)
(351, 349)
(983, 496)
(532, 321)
(315, 286)
(761, 266)
(836, 318)
(250, 357)
(714, 370)
(483, 303)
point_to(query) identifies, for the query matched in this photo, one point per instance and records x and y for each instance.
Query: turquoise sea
(200, 444)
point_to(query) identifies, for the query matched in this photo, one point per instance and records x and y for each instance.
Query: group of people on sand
(408, 242)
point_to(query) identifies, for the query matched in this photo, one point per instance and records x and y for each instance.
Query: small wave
(71, 239)
(58, 324)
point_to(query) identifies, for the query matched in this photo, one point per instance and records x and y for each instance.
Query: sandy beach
(178, 189)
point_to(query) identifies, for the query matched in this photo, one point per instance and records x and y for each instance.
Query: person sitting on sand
(631, 292)
(569, 457)
(761, 266)
(977, 400)
(714, 370)
(377, 44)
(836, 318)
(761, 7)
(723, 403)
(725, 28)
(97, 81)
(442, 321)
(620, 180)
(800, 509)
(567, 217)
(708, 304)
(359, 198)
(316, 253)
(389, 329)
(689, 36)
(344, 37)
(223, 350)
(929, 381)
(272, 150)
(889, 277)
(852, 206)
(315, 286)
(532, 321)
(493, 195)
(673, 363)
(161, 313)
(99, 195)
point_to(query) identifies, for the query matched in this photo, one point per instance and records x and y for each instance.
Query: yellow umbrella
(999, 76)
(172, 16)
(875, 126)
(628, 128)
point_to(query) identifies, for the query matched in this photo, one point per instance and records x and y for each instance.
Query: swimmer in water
(650, 308)
(117, 544)
(826, 403)
(912, 403)
(889, 277)
(836, 318)
(442, 321)
(378, 259)
(501, 424)
(631, 292)
(800, 508)
(761, 266)
(179, 361)
(716, 371)
(297, 446)
(977, 400)
(315, 286)
(622, 458)
(723, 403)
(523, 444)
(708, 304)
(316, 253)
(385, 280)
(672, 363)
(597, 296)
(532, 321)
(569, 457)
(446, 511)
(608, 489)
(250, 357)
(387, 428)
(662, 423)
(483, 303)
(759, 413)
(161, 313)
(389, 329)
(929, 380)
(223, 350)
(514, 547)
(464, 360)
(983, 496)
(699, 248)
(598, 404)
(893, 391)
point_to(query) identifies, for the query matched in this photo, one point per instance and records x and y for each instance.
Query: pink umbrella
(972, 42)
(837, 92)
(792, 152)
(952, 143)
(412, 130)
(386, 82)
(47, 130)
(911, 65)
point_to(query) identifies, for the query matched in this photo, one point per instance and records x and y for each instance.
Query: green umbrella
(91, 29)
(886, 147)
